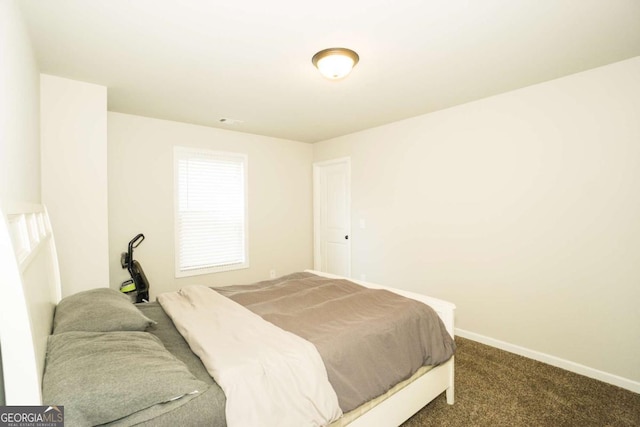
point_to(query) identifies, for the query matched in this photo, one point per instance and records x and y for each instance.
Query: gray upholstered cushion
(101, 377)
(98, 310)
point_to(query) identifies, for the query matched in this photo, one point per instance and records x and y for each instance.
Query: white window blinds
(210, 211)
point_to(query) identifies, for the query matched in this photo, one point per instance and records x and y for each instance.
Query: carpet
(498, 388)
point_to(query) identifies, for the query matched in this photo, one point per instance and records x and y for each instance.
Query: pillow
(101, 377)
(98, 310)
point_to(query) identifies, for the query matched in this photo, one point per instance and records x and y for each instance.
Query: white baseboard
(577, 368)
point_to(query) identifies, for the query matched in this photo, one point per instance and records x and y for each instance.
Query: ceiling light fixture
(336, 62)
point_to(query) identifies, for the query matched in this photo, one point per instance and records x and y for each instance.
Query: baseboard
(577, 368)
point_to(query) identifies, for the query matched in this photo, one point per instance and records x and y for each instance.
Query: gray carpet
(497, 388)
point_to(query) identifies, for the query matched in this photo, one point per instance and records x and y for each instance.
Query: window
(210, 211)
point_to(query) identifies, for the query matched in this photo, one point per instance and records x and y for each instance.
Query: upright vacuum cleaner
(138, 282)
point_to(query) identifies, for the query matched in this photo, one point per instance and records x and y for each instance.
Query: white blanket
(270, 377)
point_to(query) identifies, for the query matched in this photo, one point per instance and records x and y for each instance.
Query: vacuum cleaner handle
(135, 242)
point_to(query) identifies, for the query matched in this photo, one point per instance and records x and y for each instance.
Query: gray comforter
(369, 339)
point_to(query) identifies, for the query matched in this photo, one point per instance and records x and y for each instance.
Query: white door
(332, 212)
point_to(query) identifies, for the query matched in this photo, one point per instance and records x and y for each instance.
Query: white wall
(19, 115)
(523, 209)
(19, 110)
(74, 179)
(140, 163)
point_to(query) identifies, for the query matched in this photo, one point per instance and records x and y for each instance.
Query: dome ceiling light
(336, 62)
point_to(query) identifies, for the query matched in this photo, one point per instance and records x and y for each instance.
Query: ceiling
(200, 61)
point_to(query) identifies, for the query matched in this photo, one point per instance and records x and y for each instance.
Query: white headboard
(29, 292)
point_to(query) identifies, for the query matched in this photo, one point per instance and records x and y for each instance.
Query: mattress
(209, 408)
(357, 330)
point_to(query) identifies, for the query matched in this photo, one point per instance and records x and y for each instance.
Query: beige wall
(523, 209)
(19, 110)
(140, 163)
(73, 117)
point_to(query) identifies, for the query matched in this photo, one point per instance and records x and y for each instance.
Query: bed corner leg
(450, 392)
(450, 395)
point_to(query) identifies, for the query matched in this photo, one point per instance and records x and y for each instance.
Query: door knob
(346, 237)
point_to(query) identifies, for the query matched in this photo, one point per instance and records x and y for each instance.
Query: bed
(31, 290)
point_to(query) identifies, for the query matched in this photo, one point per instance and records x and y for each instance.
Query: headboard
(29, 292)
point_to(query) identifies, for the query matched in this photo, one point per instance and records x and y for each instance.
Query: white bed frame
(30, 290)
